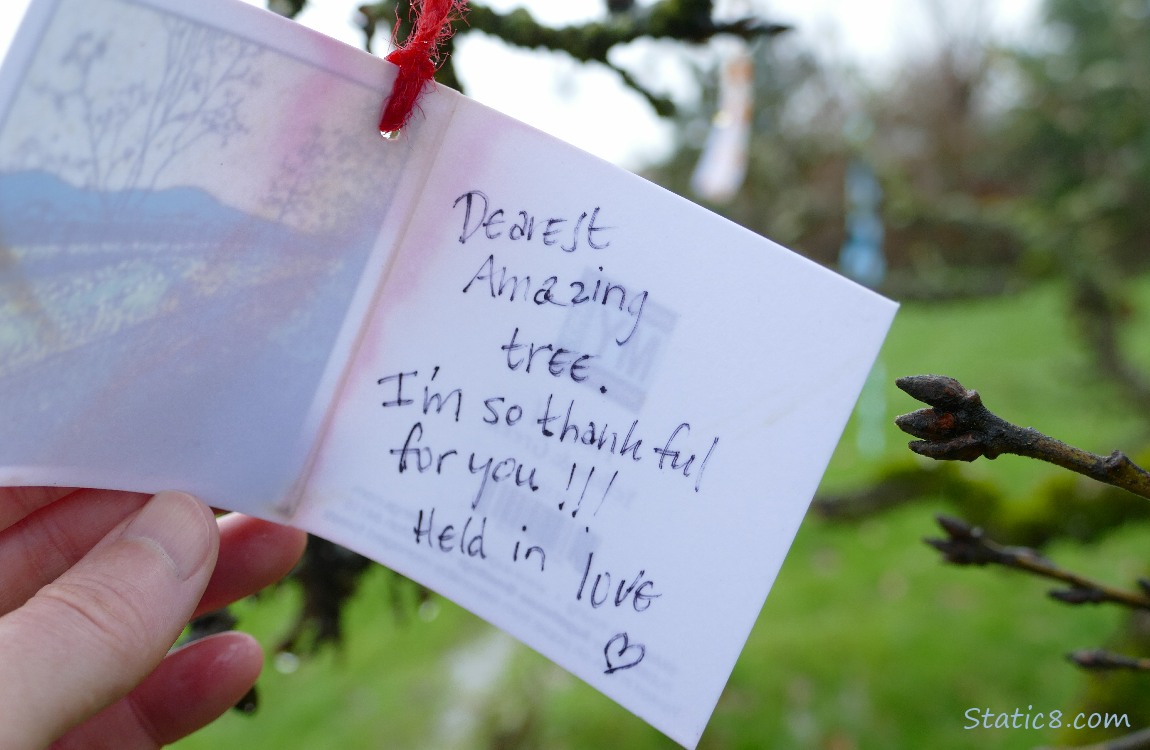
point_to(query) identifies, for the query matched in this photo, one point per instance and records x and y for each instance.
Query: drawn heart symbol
(622, 660)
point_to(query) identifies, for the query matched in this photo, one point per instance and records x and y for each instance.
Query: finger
(85, 640)
(253, 554)
(192, 687)
(39, 548)
(18, 502)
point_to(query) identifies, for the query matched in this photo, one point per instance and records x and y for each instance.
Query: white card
(582, 407)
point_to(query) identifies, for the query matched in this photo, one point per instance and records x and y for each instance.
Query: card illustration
(130, 264)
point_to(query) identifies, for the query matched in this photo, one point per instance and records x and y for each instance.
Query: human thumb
(86, 639)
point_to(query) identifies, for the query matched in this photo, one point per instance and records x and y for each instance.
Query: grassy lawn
(866, 641)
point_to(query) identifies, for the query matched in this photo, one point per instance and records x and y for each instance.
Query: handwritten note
(582, 407)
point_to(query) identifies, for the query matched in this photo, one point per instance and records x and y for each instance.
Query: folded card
(580, 406)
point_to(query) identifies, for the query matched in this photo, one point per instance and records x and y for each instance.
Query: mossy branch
(689, 21)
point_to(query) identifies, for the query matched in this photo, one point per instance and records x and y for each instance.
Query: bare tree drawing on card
(131, 132)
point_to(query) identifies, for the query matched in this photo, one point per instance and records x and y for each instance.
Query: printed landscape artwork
(119, 230)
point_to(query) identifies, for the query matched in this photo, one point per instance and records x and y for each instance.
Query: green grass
(866, 641)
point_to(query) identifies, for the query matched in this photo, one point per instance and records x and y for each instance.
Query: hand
(95, 586)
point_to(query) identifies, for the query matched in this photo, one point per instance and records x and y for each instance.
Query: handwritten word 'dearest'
(526, 227)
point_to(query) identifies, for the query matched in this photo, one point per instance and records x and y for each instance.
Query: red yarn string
(418, 58)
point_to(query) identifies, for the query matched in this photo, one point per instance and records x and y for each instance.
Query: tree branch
(1102, 660)
(669, 19)
(967, 545)
(683, 20)
(1101, 312)
(1139, 740)
(959, 428)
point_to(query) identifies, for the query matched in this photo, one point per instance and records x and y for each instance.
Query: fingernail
(177, 524)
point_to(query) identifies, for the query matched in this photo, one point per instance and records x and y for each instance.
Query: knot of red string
(418, 58)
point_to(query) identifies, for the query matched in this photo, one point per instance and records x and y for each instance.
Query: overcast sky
(587, 106)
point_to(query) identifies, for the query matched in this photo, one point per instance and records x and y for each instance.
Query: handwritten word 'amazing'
(501, 283)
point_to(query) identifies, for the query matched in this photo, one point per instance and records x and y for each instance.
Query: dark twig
(1102, 660)
(967, 545)
(1139, 740)
(329, 575)
(958, 427)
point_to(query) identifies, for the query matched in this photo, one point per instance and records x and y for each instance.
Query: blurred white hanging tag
(723, 165)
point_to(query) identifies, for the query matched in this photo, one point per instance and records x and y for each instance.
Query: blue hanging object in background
(861, 257)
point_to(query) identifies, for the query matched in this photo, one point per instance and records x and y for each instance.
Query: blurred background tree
(1080, 145)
